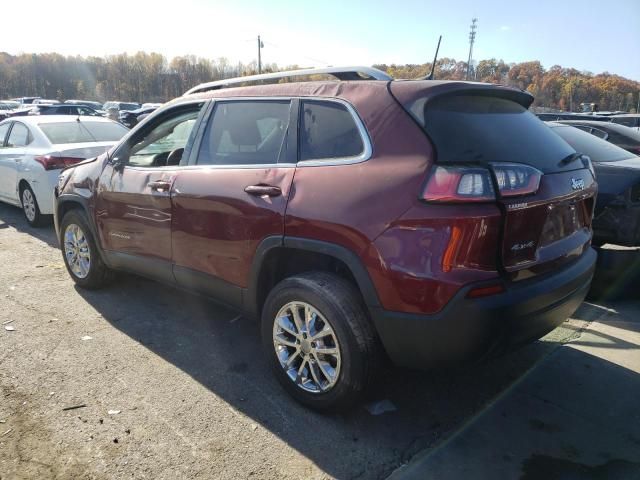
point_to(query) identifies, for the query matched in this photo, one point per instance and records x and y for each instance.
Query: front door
(233, 195)
(133, 206)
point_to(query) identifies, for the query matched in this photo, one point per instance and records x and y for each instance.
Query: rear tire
(337, 324)
(80, 252)
(30, 208)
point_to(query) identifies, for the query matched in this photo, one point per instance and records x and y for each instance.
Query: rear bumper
(470, 329)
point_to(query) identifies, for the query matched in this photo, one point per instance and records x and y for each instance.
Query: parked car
(571, 116)
(87, 103)
(617, 212)
(130, 118)
(64, 109)
(620, 135)
(45, 101)
(324, 210)
(34, 149)
(7, 108)
(120, 106)
(25, 100)
(631, 120)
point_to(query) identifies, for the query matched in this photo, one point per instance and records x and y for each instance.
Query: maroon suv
(434, 222)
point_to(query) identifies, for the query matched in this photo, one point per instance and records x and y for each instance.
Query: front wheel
(80, 253)
(319, 340)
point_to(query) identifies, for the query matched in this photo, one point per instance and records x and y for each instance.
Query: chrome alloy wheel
(76, 251)
(307, 347)
(29, 204)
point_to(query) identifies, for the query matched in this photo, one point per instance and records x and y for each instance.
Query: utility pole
(260, 47)
(472, 39)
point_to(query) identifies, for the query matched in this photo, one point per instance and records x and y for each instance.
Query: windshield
(82, 132)
(599, 150)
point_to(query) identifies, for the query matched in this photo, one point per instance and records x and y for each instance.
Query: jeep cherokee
(434, 222)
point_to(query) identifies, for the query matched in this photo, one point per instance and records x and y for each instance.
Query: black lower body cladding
(471, 329)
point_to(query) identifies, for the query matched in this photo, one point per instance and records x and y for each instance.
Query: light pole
(260, 47)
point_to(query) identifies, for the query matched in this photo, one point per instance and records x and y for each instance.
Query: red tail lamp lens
(515, 179)
(50, 162)
(459, 184)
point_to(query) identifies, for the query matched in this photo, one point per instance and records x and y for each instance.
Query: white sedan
(33, 150)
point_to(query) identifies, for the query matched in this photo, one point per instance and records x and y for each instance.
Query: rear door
(234, 194)
(133, 204)
(545, 191)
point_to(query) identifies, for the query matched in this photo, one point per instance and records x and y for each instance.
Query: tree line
(151, 77)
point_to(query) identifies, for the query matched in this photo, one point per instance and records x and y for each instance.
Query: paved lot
(186, 377)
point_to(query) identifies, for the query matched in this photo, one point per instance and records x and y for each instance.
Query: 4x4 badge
(577, 183)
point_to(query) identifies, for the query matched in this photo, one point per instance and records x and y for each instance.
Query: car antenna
(433, 65)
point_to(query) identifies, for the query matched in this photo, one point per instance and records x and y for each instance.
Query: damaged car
(617, 213)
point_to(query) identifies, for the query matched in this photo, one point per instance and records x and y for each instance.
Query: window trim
(367, 150)
(292, 135)
(160, 116)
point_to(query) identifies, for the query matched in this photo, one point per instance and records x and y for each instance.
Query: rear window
(82, 132)
(482, 129)
(599, 150)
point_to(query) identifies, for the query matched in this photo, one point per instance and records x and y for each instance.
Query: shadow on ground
(11, 216)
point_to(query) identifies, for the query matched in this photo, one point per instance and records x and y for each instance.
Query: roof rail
(341, 73)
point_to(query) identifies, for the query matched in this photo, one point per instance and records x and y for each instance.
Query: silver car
(33, 150)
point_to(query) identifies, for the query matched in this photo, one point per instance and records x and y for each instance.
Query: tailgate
(552, 227)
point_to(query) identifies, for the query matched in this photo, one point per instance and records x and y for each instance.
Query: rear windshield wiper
(570, 158)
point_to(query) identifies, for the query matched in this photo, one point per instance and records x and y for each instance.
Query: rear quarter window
(483, 129)
(328, 131)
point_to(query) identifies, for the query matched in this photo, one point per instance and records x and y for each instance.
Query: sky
(590, 35)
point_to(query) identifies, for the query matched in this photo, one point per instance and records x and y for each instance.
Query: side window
(328, 130)
(19, 136)
(626, 121)
(164, 143)
(4, 128)
(245, 133)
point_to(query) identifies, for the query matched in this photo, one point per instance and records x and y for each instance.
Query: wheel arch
(303, 255)
(67, 202)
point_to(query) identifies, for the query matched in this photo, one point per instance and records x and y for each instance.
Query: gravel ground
(173, 386)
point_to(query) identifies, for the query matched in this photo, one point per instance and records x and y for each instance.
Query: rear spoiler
(408, 91)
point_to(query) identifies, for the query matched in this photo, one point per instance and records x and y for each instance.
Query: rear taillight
(50, 162)
(475, 184)
(516, 179)
(459, 184)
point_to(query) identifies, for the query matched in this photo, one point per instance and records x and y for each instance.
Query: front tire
(80, 252)
(319, 340)
(30, 207)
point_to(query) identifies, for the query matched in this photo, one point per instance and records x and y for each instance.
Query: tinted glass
(19, 136)
(4, 128)
(82, 132)
(583, 142)
(479, 129)
(328, 130)
(242, 133)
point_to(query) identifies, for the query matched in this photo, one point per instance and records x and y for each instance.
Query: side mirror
(117, 162)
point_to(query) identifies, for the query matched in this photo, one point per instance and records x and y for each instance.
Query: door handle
(159, 185)
(260, 190)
